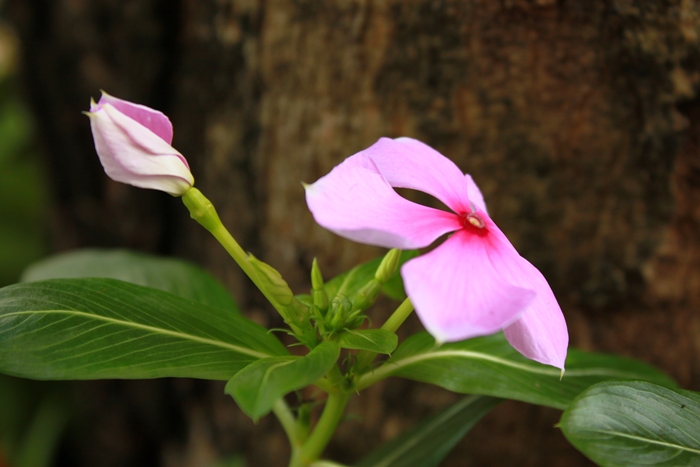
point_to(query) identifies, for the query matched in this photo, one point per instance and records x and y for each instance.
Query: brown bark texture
(579, 119)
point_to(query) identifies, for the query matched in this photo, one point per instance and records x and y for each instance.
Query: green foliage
(491, 366)
(104, 328)
(169, 275)
(428, 443)
(635, 424)
(349, 284)
(257, 387)
(373, 340)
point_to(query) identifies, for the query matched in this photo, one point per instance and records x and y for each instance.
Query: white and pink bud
(133, 142)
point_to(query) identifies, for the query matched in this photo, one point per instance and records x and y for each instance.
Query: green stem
(203, 211)
(324, 385)
(331, 416)
(370, 378)
(286, 418)
(399, 316)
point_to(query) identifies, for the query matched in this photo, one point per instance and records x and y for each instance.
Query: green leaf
(169, 275)
(374, 340)
(490, 366)
(635, 424)
(104, 328)
(258, 386)
(432, 440)
(349, 283)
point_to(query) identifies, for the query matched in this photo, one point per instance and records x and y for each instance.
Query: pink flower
(133, 142)
(473, 284)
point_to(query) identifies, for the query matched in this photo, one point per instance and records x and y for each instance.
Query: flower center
(475, 220)
(473, 223)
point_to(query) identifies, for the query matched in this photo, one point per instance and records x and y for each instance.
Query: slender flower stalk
(323, 431)
(399, 316)
(288, 422)
(203, 211)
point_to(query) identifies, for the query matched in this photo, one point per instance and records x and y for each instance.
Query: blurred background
(580, 121)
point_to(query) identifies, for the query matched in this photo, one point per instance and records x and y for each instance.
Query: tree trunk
(578, 119)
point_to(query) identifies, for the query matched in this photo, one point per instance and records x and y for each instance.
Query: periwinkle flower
(133, 143)
(475, 283)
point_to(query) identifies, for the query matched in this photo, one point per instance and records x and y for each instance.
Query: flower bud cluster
(348, 312)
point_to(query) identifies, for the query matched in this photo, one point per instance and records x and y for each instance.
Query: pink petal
(152, 119)
(356, 202)
(540, 333)
(408, 163)
(133, 154)
(458, 290)
(475, 196)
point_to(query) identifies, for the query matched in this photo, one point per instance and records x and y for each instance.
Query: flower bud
(339, 310)
(388, 266)
(318, 293)
(133, 143)
(316, 276)
(272, 282)
(367, 295)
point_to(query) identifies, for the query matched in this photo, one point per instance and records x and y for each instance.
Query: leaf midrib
(392, 366)
(266, 377)
(646, 440)
(203, 340)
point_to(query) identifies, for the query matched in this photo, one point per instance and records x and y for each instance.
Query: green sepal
(256, 388)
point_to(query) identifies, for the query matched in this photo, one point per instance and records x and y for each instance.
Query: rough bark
(578, 119)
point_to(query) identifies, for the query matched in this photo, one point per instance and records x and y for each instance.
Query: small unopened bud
(316, 276)
(318, 293)
(298, 316)
(388, 266)
(272, 282)
(299, 313)
(320, 298)
(339, 310)
(367, 295)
